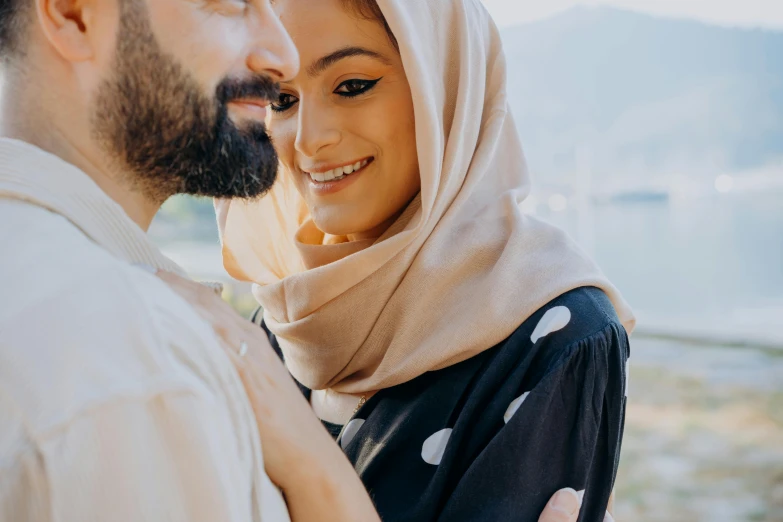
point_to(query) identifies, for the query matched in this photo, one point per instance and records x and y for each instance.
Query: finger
(231, 340)
(610, 509)
(562, 507)
(170, 277)
(259, 350)
(206, 293)
(203, 299)
(237, 360)
(231, 329)
(182, 286)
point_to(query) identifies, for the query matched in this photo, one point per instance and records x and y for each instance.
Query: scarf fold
(462, 267)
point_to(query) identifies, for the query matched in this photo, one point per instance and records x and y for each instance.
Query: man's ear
(65, 24)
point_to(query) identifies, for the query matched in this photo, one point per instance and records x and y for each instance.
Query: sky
(746, 13)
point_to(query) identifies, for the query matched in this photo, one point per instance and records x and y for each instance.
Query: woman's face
(344, 126)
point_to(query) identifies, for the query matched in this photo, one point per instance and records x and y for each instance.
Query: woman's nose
(317, 130)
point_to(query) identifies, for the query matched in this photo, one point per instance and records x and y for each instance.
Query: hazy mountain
(644, 95)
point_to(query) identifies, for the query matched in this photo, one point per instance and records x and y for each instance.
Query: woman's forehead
(319, 27)
(327, 34)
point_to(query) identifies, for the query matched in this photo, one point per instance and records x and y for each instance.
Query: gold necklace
(362, 400)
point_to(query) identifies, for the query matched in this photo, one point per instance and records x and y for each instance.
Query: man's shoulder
(54, 273)
(79, 326)
(45, 247)
(51, 259)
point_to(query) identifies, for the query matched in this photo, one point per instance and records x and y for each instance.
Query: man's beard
(154, 120)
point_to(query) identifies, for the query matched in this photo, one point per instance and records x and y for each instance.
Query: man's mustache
(258, 87)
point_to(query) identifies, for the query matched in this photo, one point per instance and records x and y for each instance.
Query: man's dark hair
(12, 24)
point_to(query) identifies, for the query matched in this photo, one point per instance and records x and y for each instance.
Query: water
(715, 261)
(712, 260)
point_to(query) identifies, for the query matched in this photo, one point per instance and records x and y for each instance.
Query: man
(116, 400)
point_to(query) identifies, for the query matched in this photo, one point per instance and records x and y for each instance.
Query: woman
(469, 359)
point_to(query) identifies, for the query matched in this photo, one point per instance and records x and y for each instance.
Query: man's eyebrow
(330, 59)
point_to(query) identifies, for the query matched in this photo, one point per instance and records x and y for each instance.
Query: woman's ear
(66, 24)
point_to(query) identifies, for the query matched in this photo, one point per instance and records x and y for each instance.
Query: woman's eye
(351, 88)
(284, 102)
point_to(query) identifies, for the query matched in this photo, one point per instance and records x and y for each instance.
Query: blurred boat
(632, 196)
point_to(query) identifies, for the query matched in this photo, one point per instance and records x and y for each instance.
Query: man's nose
(273, 53)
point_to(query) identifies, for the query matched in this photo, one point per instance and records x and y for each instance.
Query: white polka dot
(433, 448)
(350, 431)
(554, 319)
(514, 406)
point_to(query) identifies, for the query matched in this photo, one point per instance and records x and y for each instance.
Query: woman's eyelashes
(351, 88)
(347, 89)
(284, 102)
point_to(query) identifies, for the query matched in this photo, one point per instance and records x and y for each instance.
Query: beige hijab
(458, 272)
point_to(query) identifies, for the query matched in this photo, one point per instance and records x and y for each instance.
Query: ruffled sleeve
(564, 432)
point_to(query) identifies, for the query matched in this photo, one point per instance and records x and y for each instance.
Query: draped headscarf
(458, 272)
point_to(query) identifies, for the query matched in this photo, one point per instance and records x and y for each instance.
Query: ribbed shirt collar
(30, 174)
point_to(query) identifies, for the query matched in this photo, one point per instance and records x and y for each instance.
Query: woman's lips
(338, 173)
(336, 178)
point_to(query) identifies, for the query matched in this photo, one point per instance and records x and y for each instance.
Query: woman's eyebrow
(330, 59)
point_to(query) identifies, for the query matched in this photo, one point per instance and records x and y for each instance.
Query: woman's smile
(349, 107)
(395, 265)
(327, 179)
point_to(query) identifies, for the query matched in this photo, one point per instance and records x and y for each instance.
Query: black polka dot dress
(492, 438)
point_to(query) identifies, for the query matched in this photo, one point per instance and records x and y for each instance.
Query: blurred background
(654, 131)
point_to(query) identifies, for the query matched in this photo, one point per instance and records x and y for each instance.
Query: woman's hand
(564, 507)
(299, 455)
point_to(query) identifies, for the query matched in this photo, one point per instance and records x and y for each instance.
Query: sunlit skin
(350, 103)
(240, 44)
(73, 44)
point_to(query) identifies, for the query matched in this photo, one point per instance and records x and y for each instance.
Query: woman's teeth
(338, 173)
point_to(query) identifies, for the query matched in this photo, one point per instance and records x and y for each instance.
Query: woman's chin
(353, 221)
(334, 227)
(341, 228)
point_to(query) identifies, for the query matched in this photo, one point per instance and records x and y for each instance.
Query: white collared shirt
(116, 401)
